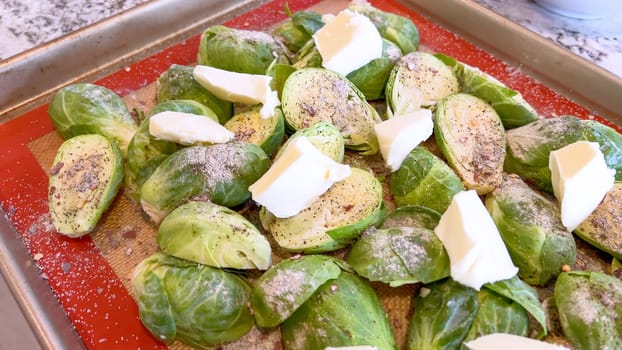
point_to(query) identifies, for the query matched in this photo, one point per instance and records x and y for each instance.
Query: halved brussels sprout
(529, 146)
(298, 29)
(145, 153)
(80, 109)
(312, 95)
(196, 304)
(399, 255)
(220, 173)
(213, 235)
(85, 178)
(418, 79)
(342, 312)
(444, 313)
(603, 228)
(497, 314)
(472, 139)
(335, 219)
(411, 216)
(590, 309)
(287, 285)
(249, 126)
(325, 137)
(239, 50)
(177, 83)
(513, 110)
(393, 27)
(531, 227)
(425, 179)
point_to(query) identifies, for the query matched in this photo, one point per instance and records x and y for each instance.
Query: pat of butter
(580, 179)
(239, 87)
(187, 129)
(477, 254)
(505, 341)
(348, 42)
(296, 179)
(400, 134)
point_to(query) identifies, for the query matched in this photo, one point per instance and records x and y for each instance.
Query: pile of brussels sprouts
(214, 279)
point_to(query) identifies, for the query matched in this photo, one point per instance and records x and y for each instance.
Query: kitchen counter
(25, 24)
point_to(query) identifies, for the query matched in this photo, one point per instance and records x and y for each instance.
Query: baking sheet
(88, 276)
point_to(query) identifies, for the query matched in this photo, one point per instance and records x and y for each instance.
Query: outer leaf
(411, 216)
(442, 316)
(426, 180)
(590, 309)
(298, 30)
(497, 314)
(285, 286)
(342, 312)
(522, 293)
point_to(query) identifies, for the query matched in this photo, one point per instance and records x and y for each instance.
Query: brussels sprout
(496, 314)
(249, 126)
(239, 50)
(529, 146)
(616, 268)
(443, 315)
(417, 80)
(315, 94)
(342, 312)
(196, 304)
(85, 178)
(335, 219)
(91, 109)
(393, 27)
(325, 137)
(220, 173)
(213, 235)
(177, 83)
(145, 153)
(524, 295)
(298, 30)
(513, 110)
(424, 179)
(590, 309)
(287, 285)
(472, 139)
(531, 227)
(399, 256)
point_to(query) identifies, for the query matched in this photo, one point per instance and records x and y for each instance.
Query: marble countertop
(25, 24)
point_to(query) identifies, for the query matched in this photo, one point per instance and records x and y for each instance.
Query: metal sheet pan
(29, 79)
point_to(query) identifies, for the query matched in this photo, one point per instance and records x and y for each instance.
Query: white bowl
(583, 9)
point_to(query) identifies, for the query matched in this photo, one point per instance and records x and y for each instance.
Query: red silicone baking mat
(80, 274)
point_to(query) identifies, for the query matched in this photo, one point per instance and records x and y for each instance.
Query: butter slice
(347, 42)
(580, 179)
(187, 128)
(505, 341)
(477, 254)
(239, 87)
(297, 178)
(400, 134)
